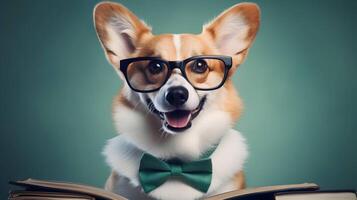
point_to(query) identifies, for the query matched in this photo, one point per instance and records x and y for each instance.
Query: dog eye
(199, 66)
(155, 67)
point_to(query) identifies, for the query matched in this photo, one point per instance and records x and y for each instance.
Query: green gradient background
(298, 84)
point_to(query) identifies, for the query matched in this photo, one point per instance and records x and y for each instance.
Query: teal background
(298, 84)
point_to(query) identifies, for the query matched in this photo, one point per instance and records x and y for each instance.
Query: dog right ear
(234, 30)
(119, 31)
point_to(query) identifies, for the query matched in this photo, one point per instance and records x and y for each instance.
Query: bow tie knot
(154, 172)
(176, 170)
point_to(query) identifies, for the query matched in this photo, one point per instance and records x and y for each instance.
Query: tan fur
(240, 180)
(232, 103)
(121, 100)
(111, 182)
(147, 44)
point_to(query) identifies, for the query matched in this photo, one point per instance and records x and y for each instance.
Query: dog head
(160, 97)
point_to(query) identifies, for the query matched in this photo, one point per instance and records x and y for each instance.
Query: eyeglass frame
(180, 64)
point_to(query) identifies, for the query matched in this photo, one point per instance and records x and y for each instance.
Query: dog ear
(234, 30)
(118, 30)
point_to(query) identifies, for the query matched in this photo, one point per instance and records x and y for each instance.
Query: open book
(50, 190)
(318, 195)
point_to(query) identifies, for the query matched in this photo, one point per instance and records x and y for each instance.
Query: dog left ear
(234, 30)
(118, 30)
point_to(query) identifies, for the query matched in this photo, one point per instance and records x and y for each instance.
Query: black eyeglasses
(148, 74)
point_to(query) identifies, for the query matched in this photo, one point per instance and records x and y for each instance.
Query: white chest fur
(227, 160)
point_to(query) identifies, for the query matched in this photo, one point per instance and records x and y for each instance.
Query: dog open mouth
(177, 120)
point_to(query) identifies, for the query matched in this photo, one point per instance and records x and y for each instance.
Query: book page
(318, 196)
(251, 191)
(70, 187)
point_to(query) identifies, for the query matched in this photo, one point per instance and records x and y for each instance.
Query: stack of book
(32, 189)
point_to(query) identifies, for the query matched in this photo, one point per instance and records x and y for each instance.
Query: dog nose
(177, 95)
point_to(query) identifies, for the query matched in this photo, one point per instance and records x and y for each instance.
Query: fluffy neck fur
(227, 160)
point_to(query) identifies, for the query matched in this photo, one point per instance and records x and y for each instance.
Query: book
(50, 189)
(317, 195)
(54, 190)
(40, 195)
(263, 193)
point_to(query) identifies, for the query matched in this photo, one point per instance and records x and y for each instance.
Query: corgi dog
(177, 102)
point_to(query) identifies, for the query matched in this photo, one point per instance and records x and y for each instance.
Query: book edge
(317, 191)
(18, 193)
(68, 187)
(265, 189)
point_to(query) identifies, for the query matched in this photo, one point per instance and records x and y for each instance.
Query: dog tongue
(178, 118)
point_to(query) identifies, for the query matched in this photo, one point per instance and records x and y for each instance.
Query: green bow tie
(154, 172)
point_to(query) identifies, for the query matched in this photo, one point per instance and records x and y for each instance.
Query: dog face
(177, 104)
